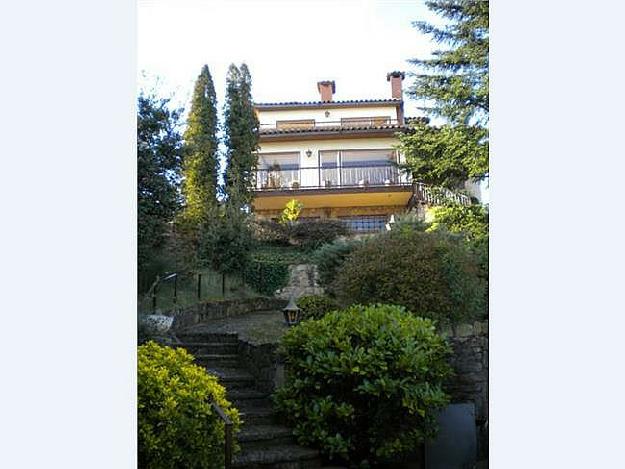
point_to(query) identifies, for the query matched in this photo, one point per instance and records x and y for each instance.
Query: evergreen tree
(200, 154)
(454, 84)
(159, 157)
(456, 79)
(241, 139)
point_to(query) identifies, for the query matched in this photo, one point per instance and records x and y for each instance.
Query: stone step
(257, 436)
(200, 348)
(203, 337)
(256, 415)
(248, 397)
(278, 457)
(208, 359)
(232, 378)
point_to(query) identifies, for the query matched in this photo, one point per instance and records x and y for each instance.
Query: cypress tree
(241, 139)
(200, 154)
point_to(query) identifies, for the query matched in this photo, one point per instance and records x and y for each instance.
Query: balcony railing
(329, 177)
(326, 177)
(437, 196)
(348, 122)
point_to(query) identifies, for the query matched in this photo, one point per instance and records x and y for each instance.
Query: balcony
(312, 125)
(329, 177)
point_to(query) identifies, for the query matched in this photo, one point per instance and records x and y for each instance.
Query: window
(368, 167)
(366, 223)
(329, 162)
(278, 170)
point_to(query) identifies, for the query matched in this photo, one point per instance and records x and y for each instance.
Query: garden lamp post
(292, 313)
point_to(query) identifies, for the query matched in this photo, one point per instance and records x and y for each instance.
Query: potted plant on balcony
(274, 181)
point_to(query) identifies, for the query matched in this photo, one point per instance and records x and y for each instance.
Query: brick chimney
(395, 78)
(326, 89)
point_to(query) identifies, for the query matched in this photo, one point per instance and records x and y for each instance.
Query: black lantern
(292, 313)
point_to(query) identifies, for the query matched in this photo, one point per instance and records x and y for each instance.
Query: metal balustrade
(329, 176)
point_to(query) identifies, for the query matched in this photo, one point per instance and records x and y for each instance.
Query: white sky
(288, 45)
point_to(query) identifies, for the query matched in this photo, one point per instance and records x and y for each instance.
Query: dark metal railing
(348, 122)
(228, 443)
(152, 293)
(329, 176)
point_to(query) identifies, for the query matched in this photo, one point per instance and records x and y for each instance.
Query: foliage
(241, 139)
(409, 222)
(226, 241)
(201, 165)
(455, 84)
(269, 232)
(287, 254)
(445, 156)
(329, 259)
(435, 275)
(266, 273)
(291, 211)
(316, 306)
(364, 383)
(468, 220)
(306, 235)
(159, 158)
(312, 234)
(456, 79)
(177, 426)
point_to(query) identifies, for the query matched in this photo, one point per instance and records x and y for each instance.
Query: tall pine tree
(454, 85)
(159, 157)
(200, 154)
(241, 139)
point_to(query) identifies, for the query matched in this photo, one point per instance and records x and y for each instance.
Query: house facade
(336, 157)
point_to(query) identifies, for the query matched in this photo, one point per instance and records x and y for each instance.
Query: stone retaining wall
(202, 312)
(470, 382)
(263, 363)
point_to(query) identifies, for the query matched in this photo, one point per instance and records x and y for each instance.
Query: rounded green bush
(363, 384)
(266, 273)
(177, 426)
(315, 306)
(312, 234)
(434, 275)
(330, 257)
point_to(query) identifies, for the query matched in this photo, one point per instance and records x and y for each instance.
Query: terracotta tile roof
(338, 128)
(325, 103)
(328, 128)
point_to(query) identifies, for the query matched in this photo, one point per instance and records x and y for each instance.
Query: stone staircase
(264, 442)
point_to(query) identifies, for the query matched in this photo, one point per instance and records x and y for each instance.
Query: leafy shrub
(315, 306)
(409, 222)
(269, 232)
(363, 384)
(312, 234)
(177, 427)
(266, 273)
(468, 220)
(330, 257)
(291, 211)
(226, 242)
(434, 275)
